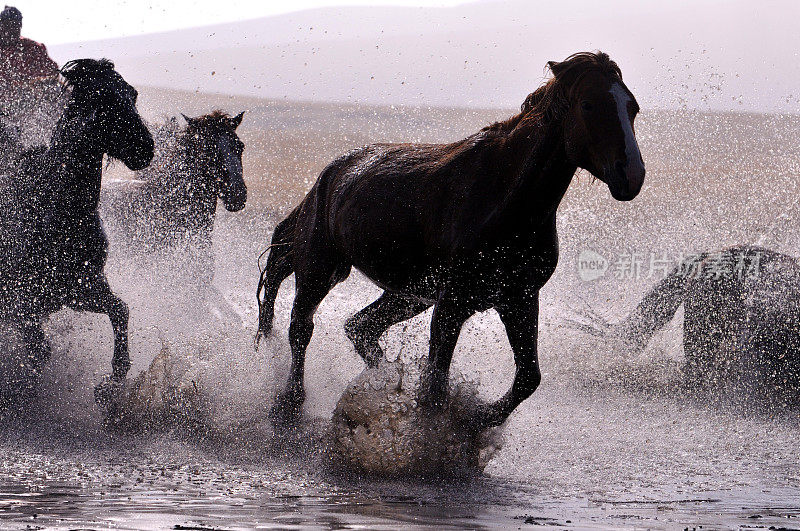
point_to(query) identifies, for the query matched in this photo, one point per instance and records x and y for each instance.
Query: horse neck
(75, 160)
(539, 175)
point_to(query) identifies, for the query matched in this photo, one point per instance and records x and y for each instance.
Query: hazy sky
(704, 54)
(61, 21)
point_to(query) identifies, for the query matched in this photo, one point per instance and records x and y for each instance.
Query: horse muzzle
(138, 163)
(235, 202)
(625, 180)
(139, 156)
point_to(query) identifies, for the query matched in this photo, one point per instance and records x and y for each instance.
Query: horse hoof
(374, 359)
(484, 417)
(286, 412)
(107, 391)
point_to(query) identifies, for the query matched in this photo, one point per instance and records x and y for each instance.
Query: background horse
(741, 324)
(171, 206)
(464, 227)
(52, 241)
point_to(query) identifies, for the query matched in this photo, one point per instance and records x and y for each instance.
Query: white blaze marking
(622, 98)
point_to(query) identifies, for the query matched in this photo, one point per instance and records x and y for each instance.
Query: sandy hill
(706, 55)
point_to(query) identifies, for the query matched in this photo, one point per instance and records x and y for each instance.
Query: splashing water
(602, 443)
(197, 385)
(379, 427)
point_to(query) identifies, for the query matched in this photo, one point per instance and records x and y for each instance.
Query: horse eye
(586, 106)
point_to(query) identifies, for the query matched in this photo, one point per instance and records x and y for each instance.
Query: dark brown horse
(464, 227)
(52, 241)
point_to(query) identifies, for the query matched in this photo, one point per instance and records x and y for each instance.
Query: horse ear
(555, 67)
(237, 120)
(73, 71)
(189, 121)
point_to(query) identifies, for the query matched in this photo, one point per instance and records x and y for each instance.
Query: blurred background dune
(706, 55)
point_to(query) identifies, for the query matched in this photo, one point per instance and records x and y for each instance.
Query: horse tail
(658, 307)
(280, 264)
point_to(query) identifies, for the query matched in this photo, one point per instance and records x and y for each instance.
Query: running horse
(463, 227)
(173, 203)
(51, 238)
(170, 208)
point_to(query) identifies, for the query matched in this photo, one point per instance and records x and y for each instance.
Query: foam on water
(195, 386)
(379, 427)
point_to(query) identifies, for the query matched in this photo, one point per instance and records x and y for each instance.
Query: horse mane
(79, 70)
(169, 135)
(550, 101)
(168, 166)
(215, 118)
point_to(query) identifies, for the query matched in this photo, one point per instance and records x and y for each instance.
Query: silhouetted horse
(173, 202)
(51, 237)
(176, 200)
(465, 227)
(741, 325)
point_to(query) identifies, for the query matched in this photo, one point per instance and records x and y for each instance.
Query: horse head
(110, 103)
(214, 137)
(597, 113)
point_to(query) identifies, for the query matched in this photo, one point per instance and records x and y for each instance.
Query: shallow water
(606, 441)
(82, 480)
(581, 453)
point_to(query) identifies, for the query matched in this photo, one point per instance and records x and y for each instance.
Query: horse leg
(521, 319)
(36, 343)
(312, 287)
(96, 296)
(449, 315)
(38, 352)
(367, 326)
(279, 267)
